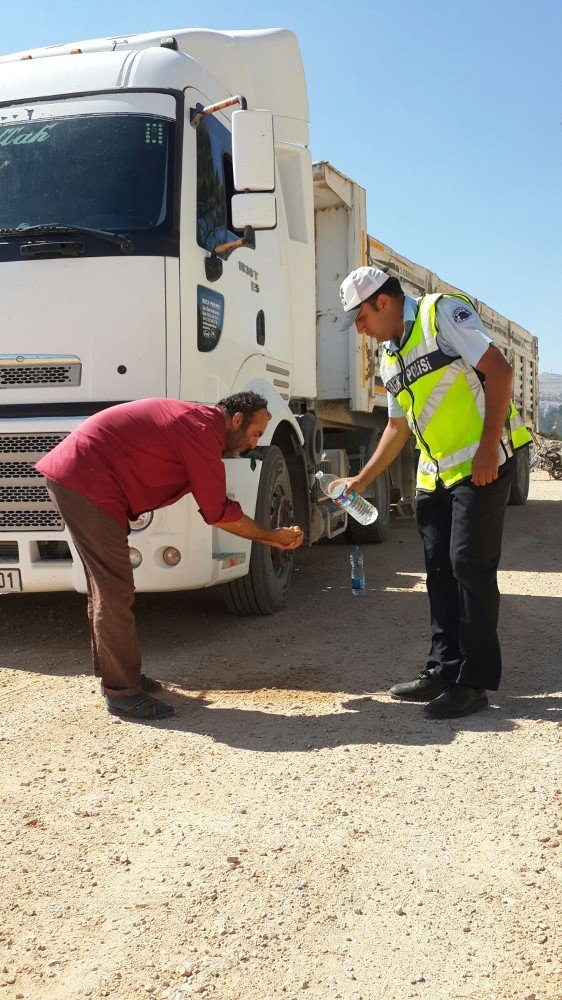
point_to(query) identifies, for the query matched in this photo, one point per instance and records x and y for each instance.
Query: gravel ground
(291, 831)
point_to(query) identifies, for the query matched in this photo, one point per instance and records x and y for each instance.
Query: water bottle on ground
(353, 503)
(357, 571)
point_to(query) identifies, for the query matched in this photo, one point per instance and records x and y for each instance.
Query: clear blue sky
(449, 113)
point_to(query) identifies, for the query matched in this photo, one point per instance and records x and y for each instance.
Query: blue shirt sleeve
(394, 408)
(461, 331)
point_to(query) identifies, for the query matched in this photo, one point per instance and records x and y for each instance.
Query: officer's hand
(287, 538)
(353, 485)
(485, 465)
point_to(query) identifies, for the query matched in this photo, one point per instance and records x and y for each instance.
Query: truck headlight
(142, 521)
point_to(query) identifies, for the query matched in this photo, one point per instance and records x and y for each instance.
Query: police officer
(451, 386)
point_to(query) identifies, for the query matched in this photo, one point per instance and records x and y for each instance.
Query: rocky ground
(291, 831)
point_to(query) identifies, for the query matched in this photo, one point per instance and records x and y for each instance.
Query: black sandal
(144, 708)
(148, 685)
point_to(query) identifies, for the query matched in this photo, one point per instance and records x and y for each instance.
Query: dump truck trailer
(163, 232)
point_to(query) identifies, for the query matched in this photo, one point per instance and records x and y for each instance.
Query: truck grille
(27, 494)
(10, 469)
(28, 520)
(19, 371)
(24, 504)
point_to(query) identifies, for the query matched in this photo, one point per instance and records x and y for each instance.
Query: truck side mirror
(253, 162)
(253, 157)
(256, 210)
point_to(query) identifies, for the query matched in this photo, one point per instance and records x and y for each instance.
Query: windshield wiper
(123, 242)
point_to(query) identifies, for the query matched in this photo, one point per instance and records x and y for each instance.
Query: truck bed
(347, 369)
(518, 345)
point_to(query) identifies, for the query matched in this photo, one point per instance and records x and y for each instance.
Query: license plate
(10, 581)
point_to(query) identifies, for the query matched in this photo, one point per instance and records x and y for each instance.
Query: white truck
(163, 232)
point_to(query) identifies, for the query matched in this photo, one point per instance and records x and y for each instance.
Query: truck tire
(363, 534)
(264, 588)
(520, 481)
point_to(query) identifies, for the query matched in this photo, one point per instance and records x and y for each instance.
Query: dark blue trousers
(461, 529)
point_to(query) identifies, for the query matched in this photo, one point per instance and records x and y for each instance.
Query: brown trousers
(103, 548)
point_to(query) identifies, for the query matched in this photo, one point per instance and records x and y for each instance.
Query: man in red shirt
(133, 458)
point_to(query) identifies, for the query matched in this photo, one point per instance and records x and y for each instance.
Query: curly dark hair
(243, 402)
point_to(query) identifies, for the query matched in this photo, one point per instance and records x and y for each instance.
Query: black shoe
(424, 688)
(456, 701)
(139, 706)
(148, 685)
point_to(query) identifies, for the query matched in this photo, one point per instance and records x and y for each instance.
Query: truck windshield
(102, 166)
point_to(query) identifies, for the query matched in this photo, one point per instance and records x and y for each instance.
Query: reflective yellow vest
(443, 400)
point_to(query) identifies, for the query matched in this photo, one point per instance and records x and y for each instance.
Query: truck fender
(280, 412)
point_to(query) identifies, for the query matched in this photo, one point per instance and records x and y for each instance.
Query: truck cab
(117, 192)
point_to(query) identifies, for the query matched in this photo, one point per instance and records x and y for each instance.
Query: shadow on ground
(323, 642)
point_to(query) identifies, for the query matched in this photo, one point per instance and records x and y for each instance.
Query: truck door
(218, 317)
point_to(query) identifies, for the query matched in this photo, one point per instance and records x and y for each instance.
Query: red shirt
(147, 454)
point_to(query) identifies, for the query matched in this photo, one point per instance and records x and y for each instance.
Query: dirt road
(292, 831)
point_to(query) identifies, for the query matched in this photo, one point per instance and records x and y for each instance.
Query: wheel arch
(280, 412)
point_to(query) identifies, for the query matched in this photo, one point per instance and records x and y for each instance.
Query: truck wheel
(264, 588)
(520, 481)
(363, 534)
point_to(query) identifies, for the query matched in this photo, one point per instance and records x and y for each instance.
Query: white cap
(357, 287)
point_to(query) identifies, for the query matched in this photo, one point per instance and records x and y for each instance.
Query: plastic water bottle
(353, 503)
(357, 571)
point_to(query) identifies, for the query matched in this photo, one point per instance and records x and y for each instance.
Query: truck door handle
(260, 328)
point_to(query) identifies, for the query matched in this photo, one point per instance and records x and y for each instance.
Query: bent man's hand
(279, 538)
(485, 465)
(287, 538)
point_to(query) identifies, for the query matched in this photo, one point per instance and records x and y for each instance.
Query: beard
(235, 443)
